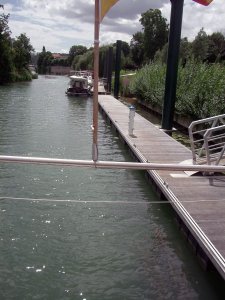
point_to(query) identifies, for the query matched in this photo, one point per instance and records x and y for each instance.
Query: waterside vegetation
(15, 54)
(200, 88)
(201, 75)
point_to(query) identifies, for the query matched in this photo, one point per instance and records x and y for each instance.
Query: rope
(105, 201)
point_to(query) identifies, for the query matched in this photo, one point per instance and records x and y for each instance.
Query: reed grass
(200, 88)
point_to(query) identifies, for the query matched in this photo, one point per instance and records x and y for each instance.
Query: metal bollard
(131, 119)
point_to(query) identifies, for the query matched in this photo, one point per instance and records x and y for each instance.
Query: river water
(73, 233)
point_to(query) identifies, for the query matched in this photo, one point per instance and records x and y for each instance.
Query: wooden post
(117, 69)
(105, 60)
(109, 69)
(172, 63)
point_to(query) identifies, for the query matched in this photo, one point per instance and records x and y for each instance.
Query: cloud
(59, 24)
(196, 16)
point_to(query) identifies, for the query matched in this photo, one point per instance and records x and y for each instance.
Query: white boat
(78, 86)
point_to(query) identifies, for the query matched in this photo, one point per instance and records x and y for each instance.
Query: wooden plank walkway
(101, 89)
(198, 201)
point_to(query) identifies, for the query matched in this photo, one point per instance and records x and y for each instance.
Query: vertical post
(117, 69)
(131, 120)
(105, 70)
(172, 63)
(96, 75)
(109, 74)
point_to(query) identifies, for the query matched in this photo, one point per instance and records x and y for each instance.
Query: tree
(76, 50)
(83, 62)
(124, 47)
(184, 55)
(137, 48)
(161, 54)
(22, 51)
(6, 63)
(155, 32)
(185, 51)
(216, 47)
(200, 46)
(44, 62)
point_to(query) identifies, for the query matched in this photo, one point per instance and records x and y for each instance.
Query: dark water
(73, 233)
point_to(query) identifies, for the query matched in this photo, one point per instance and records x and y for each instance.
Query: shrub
(22, 75)
(149, 84)
(200, 88)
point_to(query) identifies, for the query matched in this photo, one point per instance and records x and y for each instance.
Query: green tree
(216, 47)
(6, 63)
(200, 46)
(185, 51)
(22, 51)
(137, 48)
(44, 62)
(60, 62)
(161, 55)
(74, 51)
(155, 32)
(125, 48)
(83, 62)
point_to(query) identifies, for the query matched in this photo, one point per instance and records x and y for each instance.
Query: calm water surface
(73, 233)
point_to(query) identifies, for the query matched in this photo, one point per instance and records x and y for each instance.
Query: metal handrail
(108, 164)
(207, 139)
(210, 136)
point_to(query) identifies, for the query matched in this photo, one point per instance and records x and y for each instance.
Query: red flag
(203, 2)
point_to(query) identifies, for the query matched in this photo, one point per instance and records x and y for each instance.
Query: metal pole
(172, 63)
(96, 76)
(109, 164)
(117, 69)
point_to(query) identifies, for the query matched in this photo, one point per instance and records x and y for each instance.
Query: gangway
(207, 139)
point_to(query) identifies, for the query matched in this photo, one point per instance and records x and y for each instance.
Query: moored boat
(78, 86)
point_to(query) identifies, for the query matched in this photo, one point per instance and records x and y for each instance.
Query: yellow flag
(105, 6)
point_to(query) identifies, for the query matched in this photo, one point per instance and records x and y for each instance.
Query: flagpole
(96, 77)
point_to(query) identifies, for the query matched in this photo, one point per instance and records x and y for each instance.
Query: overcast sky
(59, 24)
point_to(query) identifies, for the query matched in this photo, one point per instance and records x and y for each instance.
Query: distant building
(60, 55)
(60, 70)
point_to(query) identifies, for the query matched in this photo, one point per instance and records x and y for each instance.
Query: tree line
(15, 54)
(151, 44)
(148, 45)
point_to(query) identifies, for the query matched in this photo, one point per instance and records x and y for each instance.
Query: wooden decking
(198, 201)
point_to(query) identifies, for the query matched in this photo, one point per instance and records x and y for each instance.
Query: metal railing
(207, 139)
(109, 164)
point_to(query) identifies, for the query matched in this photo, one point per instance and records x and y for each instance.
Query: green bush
(149, 83)
(22, 75)
(200, 88)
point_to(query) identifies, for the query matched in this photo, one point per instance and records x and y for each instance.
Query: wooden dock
(199, 201)
(101, 89)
